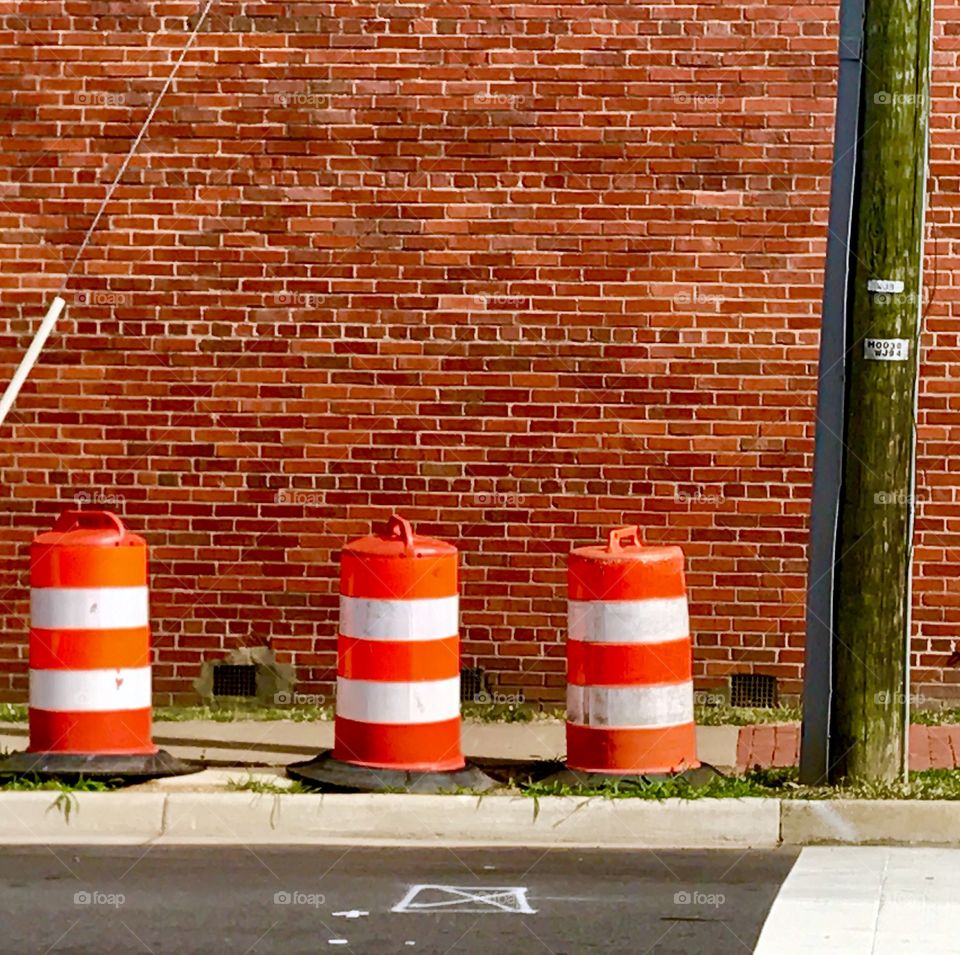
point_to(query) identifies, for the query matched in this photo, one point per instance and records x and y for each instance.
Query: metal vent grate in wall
(753, 689)
(233, 679)
(472, 684)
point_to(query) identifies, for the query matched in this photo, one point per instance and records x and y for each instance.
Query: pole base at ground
(696, 776)
(72, 766)
(333, 775)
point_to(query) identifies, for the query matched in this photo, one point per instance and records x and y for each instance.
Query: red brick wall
(520, 271)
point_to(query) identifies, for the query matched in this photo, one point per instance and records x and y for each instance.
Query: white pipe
(56, 307)
(30, 358)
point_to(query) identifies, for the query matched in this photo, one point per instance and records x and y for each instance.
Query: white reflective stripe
(430, 618)
(88, 691)
(628, 621)
(664, 704)
(423, 701)
(89, 608)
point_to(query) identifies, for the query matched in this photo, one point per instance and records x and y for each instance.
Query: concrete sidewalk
(279, 742)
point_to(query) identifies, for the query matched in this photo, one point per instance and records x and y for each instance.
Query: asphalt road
(207, 901)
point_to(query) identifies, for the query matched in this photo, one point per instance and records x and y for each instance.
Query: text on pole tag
(886, 349)
(890, 286)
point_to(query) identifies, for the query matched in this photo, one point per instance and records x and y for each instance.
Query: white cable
(136, 143)
(56, 307)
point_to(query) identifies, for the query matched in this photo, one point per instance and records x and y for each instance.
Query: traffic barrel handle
(400, 528)
(91, 520)
(621, 535)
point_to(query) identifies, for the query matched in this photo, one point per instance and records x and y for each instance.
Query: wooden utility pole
(869, 708)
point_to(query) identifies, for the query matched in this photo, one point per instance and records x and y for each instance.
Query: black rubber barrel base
(697, 776)
(73, 766)
(332, 775)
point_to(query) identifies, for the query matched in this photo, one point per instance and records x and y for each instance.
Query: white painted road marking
(465, 898)
(866, 900)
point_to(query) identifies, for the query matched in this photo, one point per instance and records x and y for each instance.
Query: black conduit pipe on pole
(828, 444)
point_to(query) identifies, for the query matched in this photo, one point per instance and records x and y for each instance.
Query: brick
(521, 278)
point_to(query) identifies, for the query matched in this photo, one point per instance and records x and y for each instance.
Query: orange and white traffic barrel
(398, 666)
(90, 668)
(629, 659)
(398, 653)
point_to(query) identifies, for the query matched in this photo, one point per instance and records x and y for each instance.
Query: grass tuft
(81, 785)
(770, 783)
(254, 785)
(724, 715)
(13, 713)
(948, 715)
(232, 709)
(494, 712)
(731, 787)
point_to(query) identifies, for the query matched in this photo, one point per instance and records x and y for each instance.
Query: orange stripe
(89, 649)
(592, 749)
(628, 664)
(53, 565)
(423, 747)
(398, 660)
(397, 577)
(106, 734)
(595, 574)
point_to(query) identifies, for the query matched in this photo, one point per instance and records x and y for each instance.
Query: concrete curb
(44, 816)
(179, 818)
(870, 822)
(175, 816)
